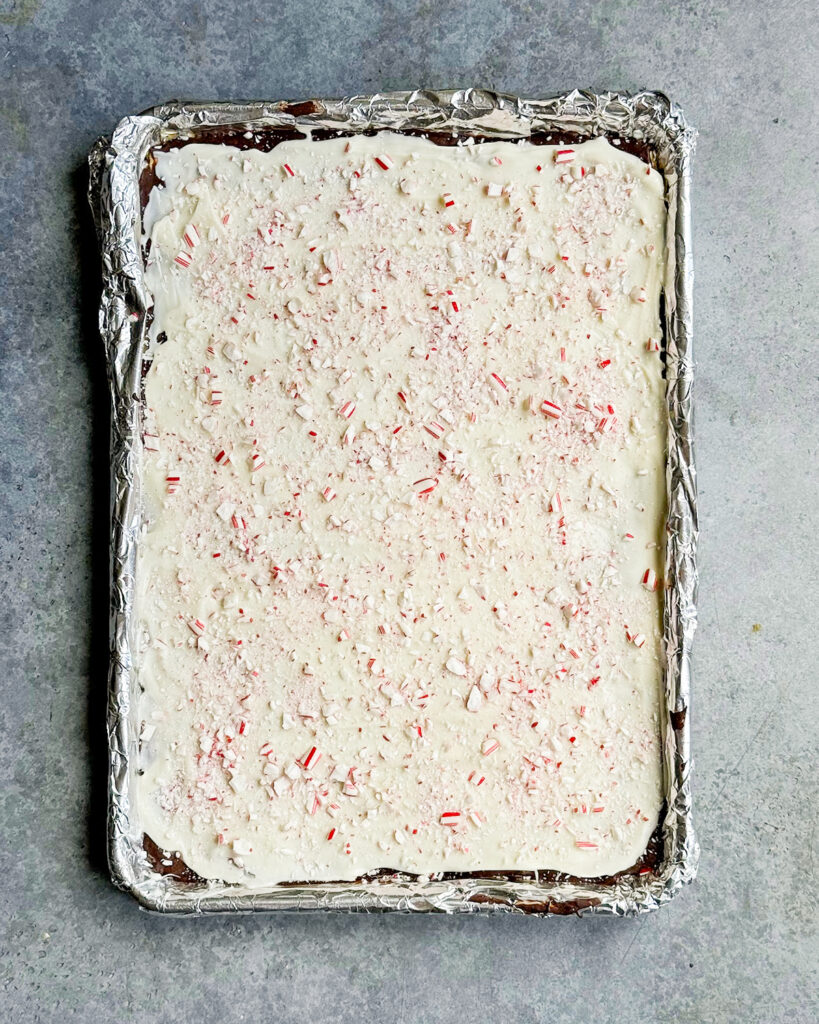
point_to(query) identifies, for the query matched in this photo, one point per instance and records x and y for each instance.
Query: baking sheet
(116, 165)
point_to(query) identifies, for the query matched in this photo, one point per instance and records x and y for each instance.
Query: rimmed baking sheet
(647, 123)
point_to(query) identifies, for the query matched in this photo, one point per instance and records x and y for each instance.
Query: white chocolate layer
(409, 562)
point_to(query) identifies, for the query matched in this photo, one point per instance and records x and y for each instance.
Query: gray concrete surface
(741, 945)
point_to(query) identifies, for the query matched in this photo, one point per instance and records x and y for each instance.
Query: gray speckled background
(740, 945)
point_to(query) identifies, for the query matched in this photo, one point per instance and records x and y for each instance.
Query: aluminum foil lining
(115, 167)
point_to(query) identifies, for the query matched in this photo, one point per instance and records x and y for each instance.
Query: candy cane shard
(474, 700)
(649, 580)
(310, 759)
(190, 236)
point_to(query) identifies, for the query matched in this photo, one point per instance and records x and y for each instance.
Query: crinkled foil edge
(115, 167)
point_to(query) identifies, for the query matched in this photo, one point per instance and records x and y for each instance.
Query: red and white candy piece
(489, 746)
(191, 235)
(288, 170)
(551, 409)
(649, 580)
(447, 199)
(197, 626)
(453, 302)
(451, 818)
(385, 162)
(435, 429)
(638, 295)
(310, 759)
(425, 485)
(222, 457)
(564, 156)
(256, 461)
(498, 381)
(328, 494)
(183, 258)
(172, 484)
(653, 345)
(347, 410)
(556, 504)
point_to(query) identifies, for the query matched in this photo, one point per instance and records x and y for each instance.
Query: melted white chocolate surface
(404, 478)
